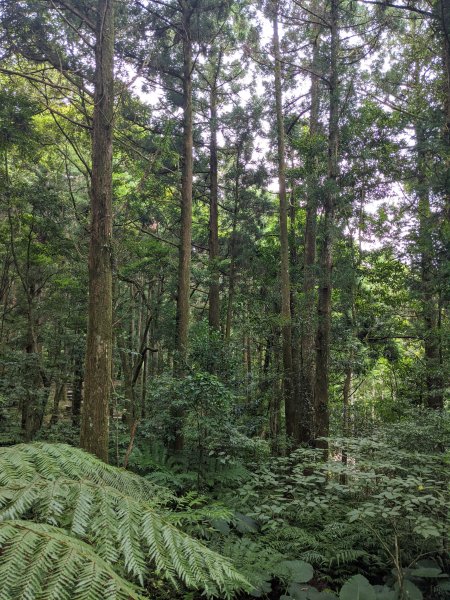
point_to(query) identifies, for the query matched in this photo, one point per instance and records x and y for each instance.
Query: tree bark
(233, 242)
(429, 297)
(214, 291)
(184, 260)
(60, 396)
(77, 388)
(308, 339)
(95, 416)
(292, 416)
(33, 405)
(444, 9)
(322, 418)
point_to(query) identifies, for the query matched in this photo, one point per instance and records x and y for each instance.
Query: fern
(118, 519)
(24, 462)
(40, 561)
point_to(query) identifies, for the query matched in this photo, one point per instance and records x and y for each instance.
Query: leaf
(444, 586)
(357, 588)
(124, 529)
(410, 591)
(297, 591)
(221, 526)
(296, 571)
(425, 572)
(40, 561)
(313, 594)
(383, 592)
(245, 524)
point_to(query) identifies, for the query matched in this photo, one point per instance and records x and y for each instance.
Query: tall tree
(291, 408)
(214, 289)
(184, 261)
(95, 415)
(308, 333)
(326, 256)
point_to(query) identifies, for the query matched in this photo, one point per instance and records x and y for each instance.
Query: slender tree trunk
(233, 268)
(214, 297)
(274, 412)
(95, 417)
(346, 391)
(184, 261)
(308, 340)
(430, 311)
(444, 7)
(292, 415)
(325, 286)
(265, 381)
(33, 404)
(77, 388)
(59, 397)
(428, 292)
(295, 309)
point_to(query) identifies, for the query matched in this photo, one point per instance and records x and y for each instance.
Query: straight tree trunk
(95, 416)
(308, 339)
(233, 267)
(322, 418)
(214, 297)
(184, 260)
(274, 412)
(77, 388)
(429, 296)
(33, 404)
(292, 415)
(59, 397)
(444, 8)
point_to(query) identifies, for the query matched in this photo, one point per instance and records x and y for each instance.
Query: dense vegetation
(224, 299)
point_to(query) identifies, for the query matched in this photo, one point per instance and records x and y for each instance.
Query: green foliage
(357, 588)
(23, 462)
(348, 518)
(118, 513)
(40, 561)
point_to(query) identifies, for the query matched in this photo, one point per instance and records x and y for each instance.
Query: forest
(224, 299)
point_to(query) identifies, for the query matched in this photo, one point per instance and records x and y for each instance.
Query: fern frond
(346, 557)
(40, 561)
(314, 557)
(24, 462)
(121, 528)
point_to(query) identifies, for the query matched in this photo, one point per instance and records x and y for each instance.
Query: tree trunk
(214, 298)
(77, 389)
(444, 7)
(233, 268)
(274, 413)
(95, 417)
(291, 410)
(60, 396)
(33, 405)
(322, 418)
(308, 339)
(184, 261)
(429, 297)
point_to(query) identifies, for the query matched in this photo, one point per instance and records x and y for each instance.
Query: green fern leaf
(24, 462)
(40, 561)
(124, 531)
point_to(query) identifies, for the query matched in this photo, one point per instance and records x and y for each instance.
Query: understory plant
(73, 527)
(374, 508)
